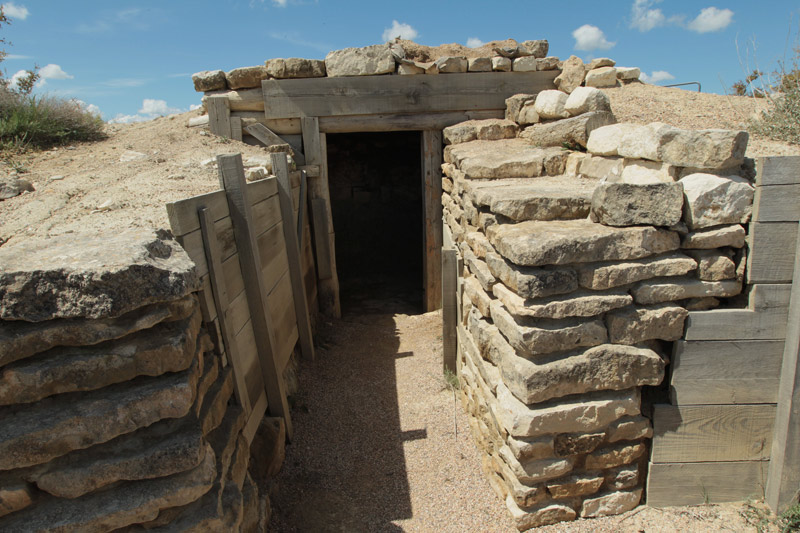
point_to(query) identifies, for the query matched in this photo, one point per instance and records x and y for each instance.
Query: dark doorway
(375, 182)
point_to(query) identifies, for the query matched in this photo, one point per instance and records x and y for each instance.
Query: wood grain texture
(771, 255)
(236, 127)
(671, 484)
(239, 100)
(778, 170)
(699, 433)
(219, 116)
(432, 208)
(449, 309)
(777, 203)
(368, 95)
(254, 420)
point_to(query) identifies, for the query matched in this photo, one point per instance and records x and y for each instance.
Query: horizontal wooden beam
(778, 170)
(771, 255)
(699, 483)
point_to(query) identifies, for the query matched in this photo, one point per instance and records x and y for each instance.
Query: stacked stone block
(579, 267)
(115, 410)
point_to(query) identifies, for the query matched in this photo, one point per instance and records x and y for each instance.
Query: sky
(132, 61)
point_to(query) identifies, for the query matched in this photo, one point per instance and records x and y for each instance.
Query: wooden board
(691, 434)
(240, 100)
(219, 116)
(698, 483)
(369, 95)
(281, 126)
(449, 309)
(725, 372)
(736, 324)
(251, 426)
(431, 141)
(777, 203)
(771, 255)
(778, 170)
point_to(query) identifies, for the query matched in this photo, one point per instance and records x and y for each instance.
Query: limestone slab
(549, 104)
(209, 80)
(614, 456)
(711, 149)
(633, 325)
(367, 61)
(625, 204)
(543, 515)
(602, 77)
(246, 77)
(585, 99)
(601, 276)
(657, 291)
(490, 129)
(530, 282)
(514, 105)
(715, 200)
(524, 449)
(623, 477)
(574, 486)
(537, 47)
(479, 64)
(572, 131)
(295, 67)
(611, 504)
(732, 235)
(452, 64)
(581, 304)
(572, 75)
(605, 140)
(633, 428)
(15, 495)
(508, 158)
(535, 471)
(713, 265)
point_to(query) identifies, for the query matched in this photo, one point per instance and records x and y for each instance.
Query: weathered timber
(772, 249)
(269, 138)
(236, 127)
(777, 203)
(219, 116)
(778, 170)
(449, 309)
(671, 484)
(432, 207)
(254, 420)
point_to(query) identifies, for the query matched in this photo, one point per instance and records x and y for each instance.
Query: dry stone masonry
(583, 242)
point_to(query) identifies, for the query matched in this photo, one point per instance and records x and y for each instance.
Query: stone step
(508, 158)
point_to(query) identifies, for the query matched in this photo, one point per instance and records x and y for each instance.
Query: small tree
(25, 84)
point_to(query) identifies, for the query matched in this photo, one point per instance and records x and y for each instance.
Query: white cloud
(91, 108)
(400, 29)
(16, 77)
(129, 119)
(194, 107)
(656, 77)
(643, 18)
(711, 19)
(589, 37)
(54, 72)
(151, 106)
(474, 42)
(16, 56)
(13, 11)
(280, 3)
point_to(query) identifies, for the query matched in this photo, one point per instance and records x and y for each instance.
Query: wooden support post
(320, 218)
(236, 128)
(231, 176)
(281, 169)
(221, 302)
(449, 309)
(301, 209)
(219, 116)
(431, 144)
(270, 138)
(783, 481)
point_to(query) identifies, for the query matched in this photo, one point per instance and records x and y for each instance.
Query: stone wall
(584, 244)
(115, 409)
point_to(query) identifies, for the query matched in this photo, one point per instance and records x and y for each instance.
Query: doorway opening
(375, 182)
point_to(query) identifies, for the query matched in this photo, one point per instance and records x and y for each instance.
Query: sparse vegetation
(790, 519)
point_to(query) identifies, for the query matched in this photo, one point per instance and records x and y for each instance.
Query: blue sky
(134, 60)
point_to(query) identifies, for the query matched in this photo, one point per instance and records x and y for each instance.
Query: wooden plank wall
(715, 440)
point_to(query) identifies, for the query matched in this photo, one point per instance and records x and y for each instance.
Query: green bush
(790, 519)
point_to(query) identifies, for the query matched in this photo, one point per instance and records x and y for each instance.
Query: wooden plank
(311, 140)
(259, 410)
(281, 126)
(771, 255)
(777, 203)
(246, 341)
(219, 116)
(231, 174)
(449, 309)
(784, 470)
(431, 150)
(239, 100)
(320, 217)
(403, 121)
(778, 170)
(367, 95)
(270, 138)
(329, 298)
(236, 128)
(274, 261)
(699, 433)
(699, 483)
(281, 308)
(281, 169)
(725, 372)
(301, 208)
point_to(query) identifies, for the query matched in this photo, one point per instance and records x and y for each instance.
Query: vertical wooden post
(431, 143)
(783, 480)
(280, 167)
(219, 116)
(315, 150)
(449, 309)
(231, 177)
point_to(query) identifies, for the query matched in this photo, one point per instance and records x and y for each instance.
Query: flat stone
(15, 495)
(367, 61)
(614, 456)
(524, 64)
(251, 502)
(624, 204)
(549, 104)
(514, 105)
(536, 243)
(577, 444)
(600, 62)
(246, 77)
(215, 403)
(295, 67)
(599, 276)
(94, 276)
(239, 462)
(633, 428)
(490, 129)
(528, 115)
(657, 291)
(547, 63)
(477, 295)
(573, 131)
(713, 265)
(532, 282)
(605, 140)
(11, 186)
(623, 477)
(602, 77)
(38, 433)
(479, 64)
(715, 200)
(645, 142)
(508, 158)
(224, 437)
(596, 168)
(642, 172)
(209, 80)
(452, 64)
(539, 448)
(572, 75)
(732, 236)
(633, 325)
(711, 149)
(129, 503)
(611, 504)
(478, 268)
(539, 516)
(574, 486)
(585, 99)
(628, 73)
(509, 485)
(501, 64)
(479, 243)
(576, 304)
(409, 69)
(535, 471)
(536, 48)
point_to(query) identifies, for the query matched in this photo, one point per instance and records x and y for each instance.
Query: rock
(479, 64)
(705, 148)
(602, 77)
(239, 462)
(268, 450)
(100, 275)
(38, 433)
(209, 80)
(251, 502)
(614, 456)
(129, 503)
(477, 295)
(528, 115)
(573, 131)
(624, 204)
(628, 73)
(604, 367)
(713, 265)
(701, 304)
(598, 168)
(530, 472)
(215, 403)
(634, 428)
(539, 448)
(623, 477)
(409, 69)
(579, 304)
(295, 67)
(547, 63)
(633, 325)
(642, 172)
(246, 77)
(587, 414)
(572, 75)
(537, 48)
(398, 52)
(605, 276)
(508, 158)
(585, 99)
(536, 243)
(490, 129)
(11, 186)
(479, 244)
(657, 291)
(538, 516)
(501, 64)
(524, 64)
(452, 64)
(611, 504)
(367, 61)
(567, 444)
(732, 236)
(512, 52)
(574, 486)
(714, 200)
(508, 484)
(605, 140)
(19, 339)
(15, 495)
(224, 437)
(599, 62)
(478, 268)
(532, 282)
(515, 103)
(129, 156)
(550, 104)
(534, 338)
